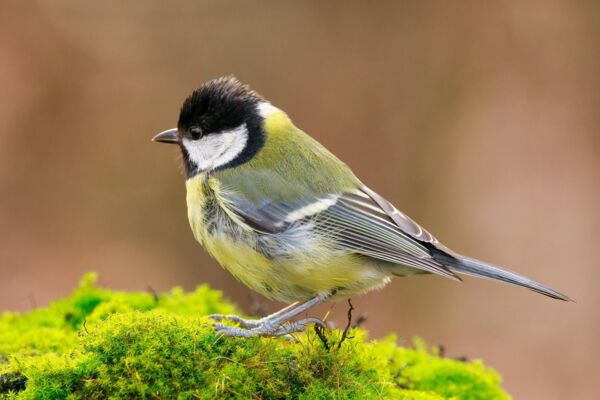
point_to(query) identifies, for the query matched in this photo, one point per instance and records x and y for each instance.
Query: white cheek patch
(217, 149)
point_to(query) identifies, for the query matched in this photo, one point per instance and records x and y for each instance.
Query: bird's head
(220, 126)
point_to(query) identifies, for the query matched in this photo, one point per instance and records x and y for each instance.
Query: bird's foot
(244, 323)
(266, 327)
(272, 325)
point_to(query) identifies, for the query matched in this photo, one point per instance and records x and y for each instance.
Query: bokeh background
(479, 119)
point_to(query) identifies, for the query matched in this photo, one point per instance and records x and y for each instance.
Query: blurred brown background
(481, 121)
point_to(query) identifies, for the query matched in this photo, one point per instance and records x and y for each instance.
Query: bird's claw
(267, 328)
(244, 323)
(225, 330)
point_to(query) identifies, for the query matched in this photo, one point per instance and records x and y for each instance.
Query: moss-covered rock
(99, 344)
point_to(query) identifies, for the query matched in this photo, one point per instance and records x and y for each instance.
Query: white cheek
(217, 149)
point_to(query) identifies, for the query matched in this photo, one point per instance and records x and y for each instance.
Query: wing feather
(369, 230)
(359, 221)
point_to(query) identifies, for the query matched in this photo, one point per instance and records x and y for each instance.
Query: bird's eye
(196, 132)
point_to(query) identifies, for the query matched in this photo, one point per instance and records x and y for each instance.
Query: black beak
(168, 136)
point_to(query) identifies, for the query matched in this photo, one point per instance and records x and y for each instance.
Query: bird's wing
(356, 220)
(382, 233)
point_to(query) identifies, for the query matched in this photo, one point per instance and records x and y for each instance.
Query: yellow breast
(232, 250)
(287, 279)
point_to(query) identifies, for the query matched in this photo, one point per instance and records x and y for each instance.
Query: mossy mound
(99, 344)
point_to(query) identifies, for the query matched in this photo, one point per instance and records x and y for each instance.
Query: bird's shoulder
(290, 165)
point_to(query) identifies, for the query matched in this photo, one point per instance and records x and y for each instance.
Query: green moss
(99, 344)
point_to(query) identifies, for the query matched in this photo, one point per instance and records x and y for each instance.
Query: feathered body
(289, 219)
(300, 261)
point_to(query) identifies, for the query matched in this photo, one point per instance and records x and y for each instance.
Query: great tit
(289, 219)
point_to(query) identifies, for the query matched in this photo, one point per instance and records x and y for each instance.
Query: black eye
(195, 132)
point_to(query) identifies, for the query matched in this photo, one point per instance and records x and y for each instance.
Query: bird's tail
(480, 269)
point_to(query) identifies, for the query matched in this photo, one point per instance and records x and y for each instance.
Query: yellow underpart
(296, 277)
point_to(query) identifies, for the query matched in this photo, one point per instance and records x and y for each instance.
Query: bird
(290, 220)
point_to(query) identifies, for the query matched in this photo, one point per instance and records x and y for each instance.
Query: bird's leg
(250, 323)
(272, 325)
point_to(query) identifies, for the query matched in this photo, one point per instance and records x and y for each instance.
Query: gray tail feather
(471, 266)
